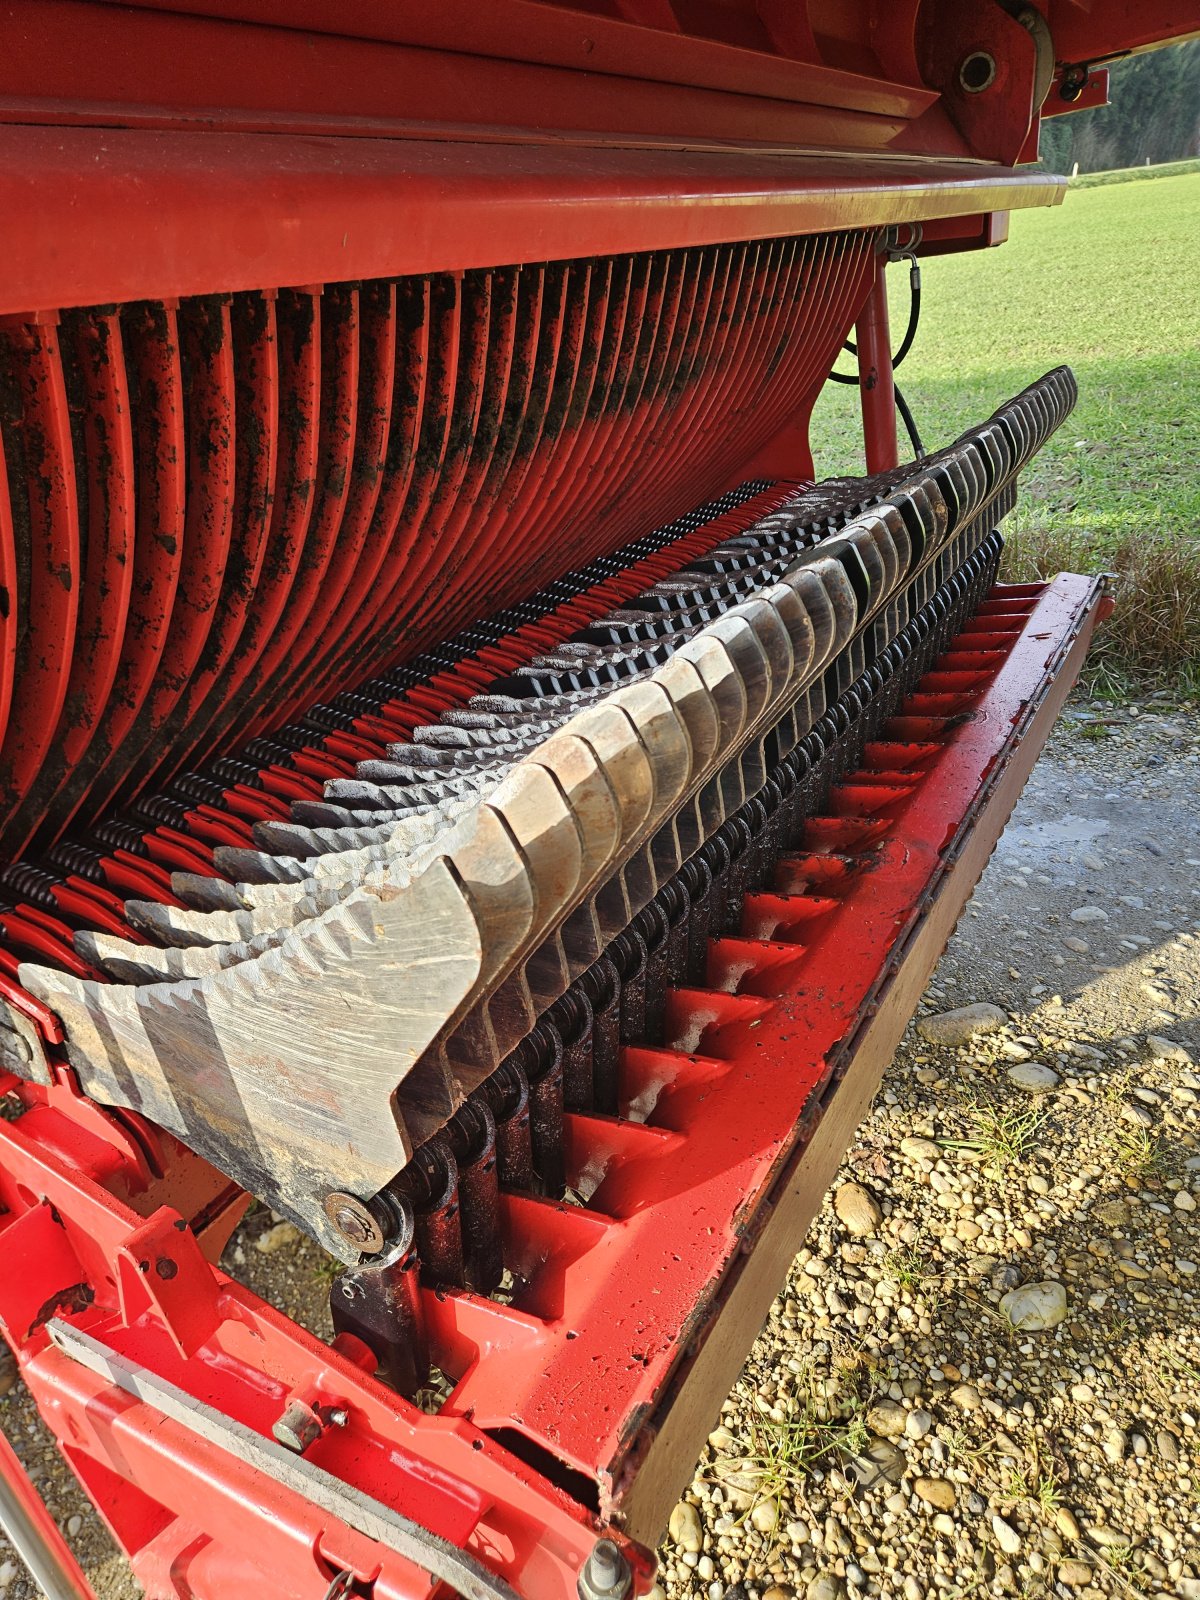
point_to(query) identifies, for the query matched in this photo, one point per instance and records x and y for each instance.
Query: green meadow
(1108, 283)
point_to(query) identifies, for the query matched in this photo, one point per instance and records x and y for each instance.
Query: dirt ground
(902, 1426)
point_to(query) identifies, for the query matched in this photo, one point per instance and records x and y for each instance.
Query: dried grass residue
(1152, 639)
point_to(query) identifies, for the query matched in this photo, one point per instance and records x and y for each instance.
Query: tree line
(1153, 115)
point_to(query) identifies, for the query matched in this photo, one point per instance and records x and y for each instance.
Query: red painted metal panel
(61, 60)
(1108, 28)
(735, 53)
(198, 213)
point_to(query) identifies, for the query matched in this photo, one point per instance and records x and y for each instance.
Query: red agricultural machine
(463, 784)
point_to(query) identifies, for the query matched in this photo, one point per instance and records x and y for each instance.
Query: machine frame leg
(876, 386)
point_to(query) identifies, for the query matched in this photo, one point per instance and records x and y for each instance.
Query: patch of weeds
(1172, 1375)
(857, 1434)
(994, 1314)
(1016, 1486)
(1119, 1326)
(962, 1447)
(1047, 1491)
(916, 1275)
(1137, 1152)
(1001, 1135)
(1157, 589)
(1106, 681)
(909, 1268)
(905, 1267)
(855, 1361)
(782, 1455)
(1122, 1562)
(823, 1422)
(1037, 1485)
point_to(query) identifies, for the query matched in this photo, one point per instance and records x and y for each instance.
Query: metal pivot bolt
(1073, 82)
(355, 1222)
(606, 1574)
(379, 1302)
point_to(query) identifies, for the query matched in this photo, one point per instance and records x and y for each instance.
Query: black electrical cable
(914, 317)
(909, 423)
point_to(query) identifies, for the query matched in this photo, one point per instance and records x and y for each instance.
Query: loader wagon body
(463, 782)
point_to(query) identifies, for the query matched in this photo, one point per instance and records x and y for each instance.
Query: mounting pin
(298, 1426)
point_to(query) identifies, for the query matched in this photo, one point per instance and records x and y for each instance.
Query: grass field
(1165, 169)
(1110, 284)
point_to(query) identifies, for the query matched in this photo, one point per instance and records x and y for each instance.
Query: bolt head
(606, 1574)
(355, 1222)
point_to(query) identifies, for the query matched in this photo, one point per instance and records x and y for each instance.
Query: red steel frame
(119, 1227)
(203, 147)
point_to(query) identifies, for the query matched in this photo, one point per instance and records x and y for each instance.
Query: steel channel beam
(183, 212)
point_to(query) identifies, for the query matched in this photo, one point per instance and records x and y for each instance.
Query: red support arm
(875, 383)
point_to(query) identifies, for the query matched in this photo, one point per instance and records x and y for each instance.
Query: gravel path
(983, 1374)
